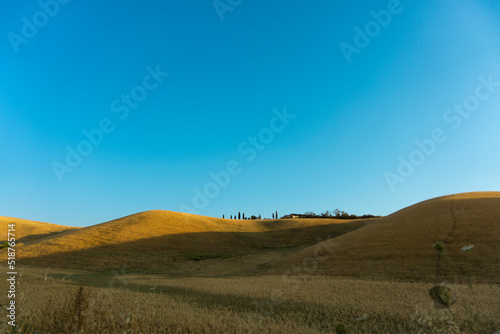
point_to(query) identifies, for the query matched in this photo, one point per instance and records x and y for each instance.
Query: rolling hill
(401, 245)
(27, 230)
(398, 246)
(158, 238)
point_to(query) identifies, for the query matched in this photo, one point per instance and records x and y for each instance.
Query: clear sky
(292, 106)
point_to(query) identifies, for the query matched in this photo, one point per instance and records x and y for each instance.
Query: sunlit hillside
(399, 246)
(27, 230)
(159, 238)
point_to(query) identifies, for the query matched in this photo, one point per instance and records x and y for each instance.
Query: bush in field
(340, 329)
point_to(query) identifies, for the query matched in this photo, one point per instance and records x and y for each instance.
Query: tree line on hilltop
(336, 214)
(241, 216)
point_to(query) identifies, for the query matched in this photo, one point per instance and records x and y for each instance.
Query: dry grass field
(167, 272)
(125, 303)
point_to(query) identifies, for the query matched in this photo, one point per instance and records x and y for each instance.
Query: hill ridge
(396, 246)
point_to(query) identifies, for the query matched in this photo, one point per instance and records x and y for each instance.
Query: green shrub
(340, 329)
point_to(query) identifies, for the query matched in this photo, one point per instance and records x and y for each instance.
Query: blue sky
(68, 67)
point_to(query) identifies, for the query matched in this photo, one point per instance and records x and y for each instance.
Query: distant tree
(239, 215)
(260, 216)
(222, 216)
(337, 213)
(243, 216)
(231, 216)
(273, 215)
(276, 215)
(309, 213)
(253, 217)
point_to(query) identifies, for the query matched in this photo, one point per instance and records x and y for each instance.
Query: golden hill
(27, 230)
(158, 238)
(398, 246)
(401, 245)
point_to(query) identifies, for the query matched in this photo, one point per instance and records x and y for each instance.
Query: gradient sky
(226, 76)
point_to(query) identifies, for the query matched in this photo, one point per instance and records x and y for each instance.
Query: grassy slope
(401, 245)
(158, 238)
(27, 230)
